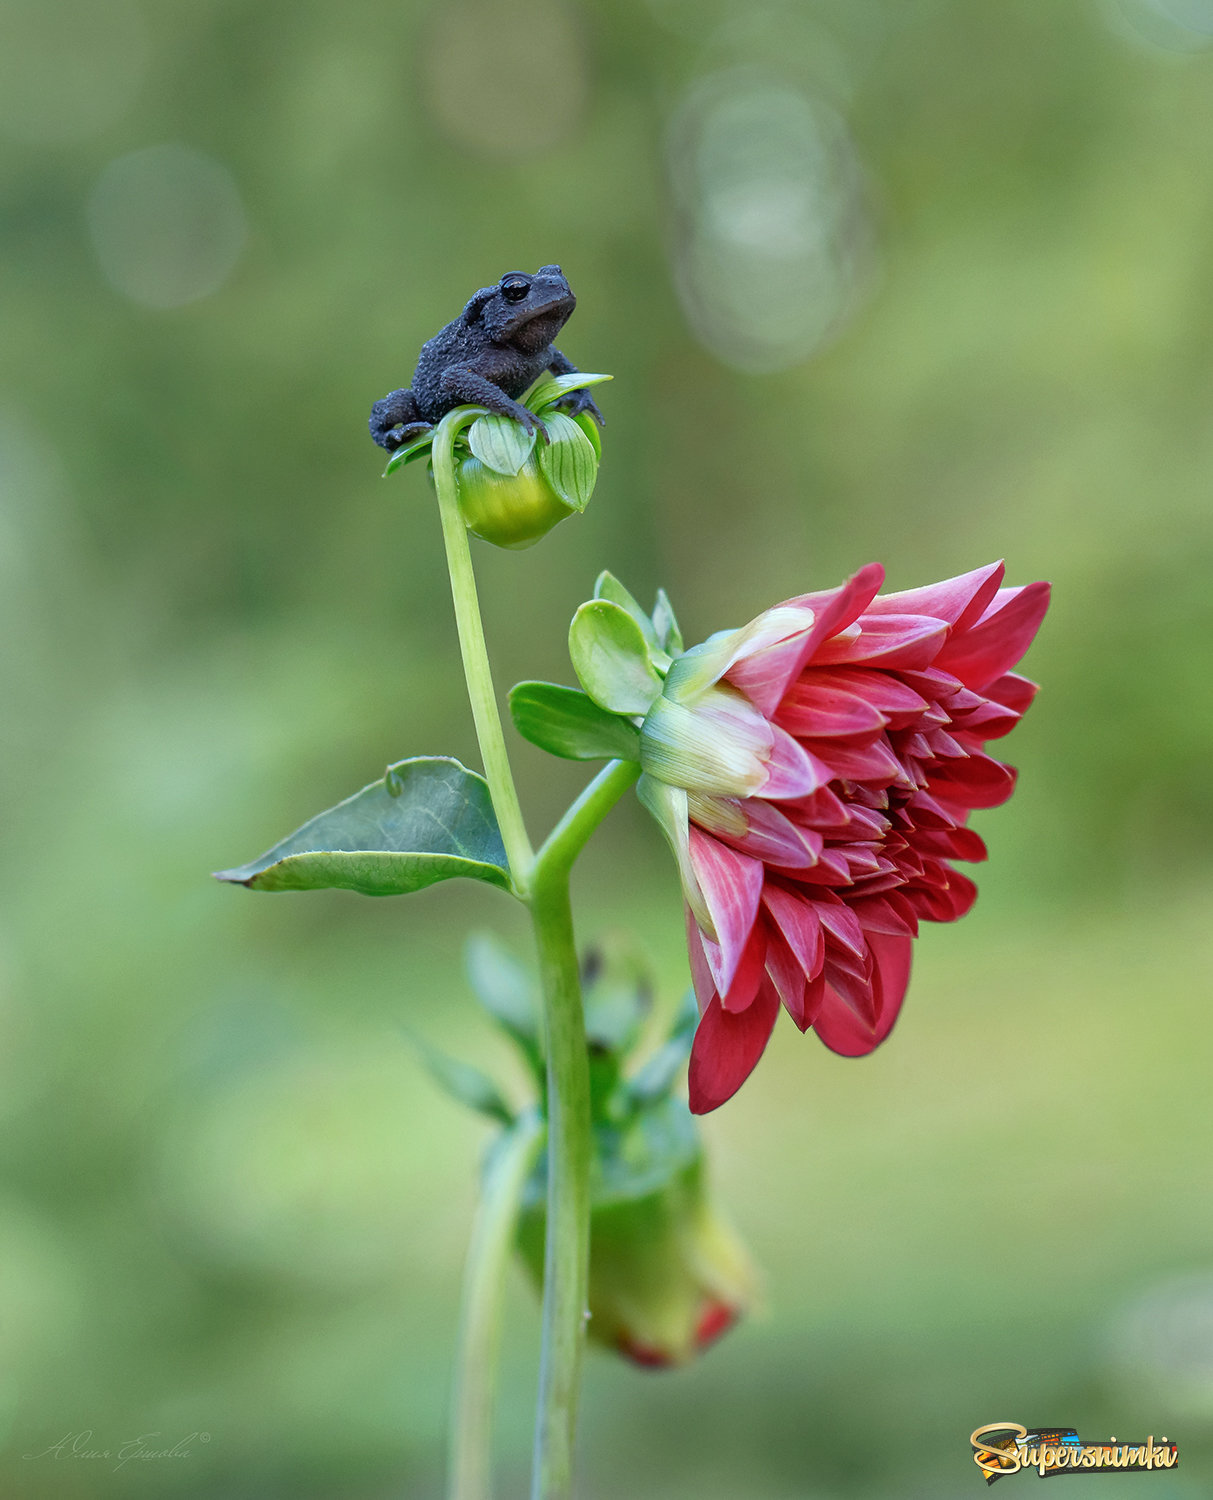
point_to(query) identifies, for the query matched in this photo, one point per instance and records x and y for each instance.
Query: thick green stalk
(475, 652)
(470, 1473)
(567, 1248)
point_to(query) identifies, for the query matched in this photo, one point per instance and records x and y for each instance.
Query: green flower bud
(509, 510)
(514, 489)
(515, 484)
(667, 1274)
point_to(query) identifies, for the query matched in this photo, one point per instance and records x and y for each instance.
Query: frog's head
(527, 312)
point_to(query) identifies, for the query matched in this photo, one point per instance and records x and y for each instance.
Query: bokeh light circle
(772, 240)
(1163, 1341)
(167, 225)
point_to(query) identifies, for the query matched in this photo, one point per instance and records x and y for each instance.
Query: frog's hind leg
(395, 420)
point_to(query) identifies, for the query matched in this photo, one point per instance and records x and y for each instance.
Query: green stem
(475, 653)
(544, 884)
(568, 838)
(509, 1166)
(567, 1247)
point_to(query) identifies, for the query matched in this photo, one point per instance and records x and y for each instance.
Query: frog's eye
(515, 288)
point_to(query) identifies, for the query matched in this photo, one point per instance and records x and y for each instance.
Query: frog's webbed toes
(404, 433)
(395, 418)
(529, 421)
(576, 402)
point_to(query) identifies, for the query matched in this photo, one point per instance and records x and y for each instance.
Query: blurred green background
(914, 280)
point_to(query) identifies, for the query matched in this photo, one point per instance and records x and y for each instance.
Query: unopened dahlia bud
(509, 510)
(516, 482)
(668, 1276)
(514, 485)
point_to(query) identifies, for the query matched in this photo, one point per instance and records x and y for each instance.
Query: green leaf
(568, 461)
(429, 819)
(567, 722)
(611, 658)
(408, 453)
(607, 586)
(666, 625)
(500, 443)
(464, 1083)
(507, 991)
(549, 388)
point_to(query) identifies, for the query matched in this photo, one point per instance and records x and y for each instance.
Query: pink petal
(990, 721)
(701, 974)
(764, 677)
(854, 990)
(869, 796)
(902, 904)
(823, 711)
(896, 699)
(792, 771)
(948, 897)
(837, 1024)
(916, 745)
(943, 746)
(861, 860)
(727, 1048)
(904, 641)
(842, 606)
(933, 683)
(963, 892)
(799, 925)
(823, 810)
(732, 886)
(842, 925)
(992, 646)
(749, 973)
(957, 843)
(927, 813)
(846, 762)
(830, 870)
(957, 601)
(788, 978)
(1012, 691)
(774, 838)
(878, 914)
(887, 884)
(865, 823)
(978, 781)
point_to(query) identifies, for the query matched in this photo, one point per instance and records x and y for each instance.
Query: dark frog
(497, 347)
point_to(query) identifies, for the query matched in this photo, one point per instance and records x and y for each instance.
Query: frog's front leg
(573, 401)
(461, 383)
(395, 419)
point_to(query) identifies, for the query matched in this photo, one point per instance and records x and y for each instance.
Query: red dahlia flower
(814, 772)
